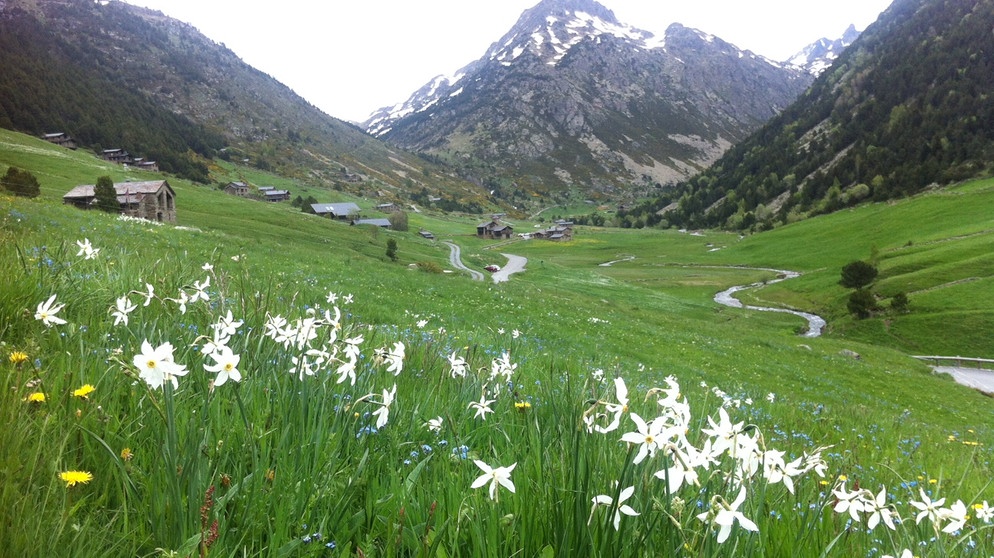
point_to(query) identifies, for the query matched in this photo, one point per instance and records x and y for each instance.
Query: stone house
(154, 200)
(60, 138)
(117, 155)
(237, 189)
(342, 211)
(494, 229)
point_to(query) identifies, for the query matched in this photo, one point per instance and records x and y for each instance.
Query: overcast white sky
(351, 57)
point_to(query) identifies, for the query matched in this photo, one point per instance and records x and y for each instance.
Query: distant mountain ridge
(572, 98)
(115, 75)
(905, 108)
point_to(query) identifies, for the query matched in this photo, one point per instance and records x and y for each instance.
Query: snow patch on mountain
(821, 54)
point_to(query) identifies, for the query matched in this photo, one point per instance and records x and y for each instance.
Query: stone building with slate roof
(154, 200)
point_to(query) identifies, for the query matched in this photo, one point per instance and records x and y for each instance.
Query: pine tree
(20, 183)
(106, 195)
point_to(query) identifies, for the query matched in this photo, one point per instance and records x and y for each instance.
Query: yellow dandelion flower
(84, 391)
(933, 481)
(966, 443)
(126, 454)
(72, 478)
(36, 397)
(18, 357)
(843, 478)
(523, 406)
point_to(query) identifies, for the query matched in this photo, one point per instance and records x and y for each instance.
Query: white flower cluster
(732, 450)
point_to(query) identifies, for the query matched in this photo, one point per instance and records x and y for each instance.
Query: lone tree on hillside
(857, 275)
(106, 195)
(862, 303)
(398, 221)
(392, 249)
(20, 183)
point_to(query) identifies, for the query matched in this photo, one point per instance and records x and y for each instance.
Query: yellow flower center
(229, 367)
(150, 364)
(649, 439)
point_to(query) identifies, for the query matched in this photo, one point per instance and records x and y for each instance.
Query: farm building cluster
(497, 229)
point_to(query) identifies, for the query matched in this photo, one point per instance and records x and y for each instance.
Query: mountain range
(905, 108)
(570, 102)
(572, 98)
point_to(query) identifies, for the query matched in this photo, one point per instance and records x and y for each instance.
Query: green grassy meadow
(337, 441)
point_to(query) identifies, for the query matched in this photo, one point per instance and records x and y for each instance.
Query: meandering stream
(815, 323)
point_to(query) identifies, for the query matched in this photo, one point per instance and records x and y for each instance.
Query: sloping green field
(292, 464)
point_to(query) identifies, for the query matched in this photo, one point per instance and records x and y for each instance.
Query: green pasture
(286, 463)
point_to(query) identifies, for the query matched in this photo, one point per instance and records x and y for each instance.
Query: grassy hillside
(287, 463)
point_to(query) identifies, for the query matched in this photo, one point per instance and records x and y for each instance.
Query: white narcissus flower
(619, 408)
(956, 514)
(207, 267)
(182, 301)
(435, 424)
(853, 502)
(906, 554)
(382, 414)
(149, 294)
(86, 249)
(156, 366)
(620, 508)
(495, 476)
(352, 347)
(124, 307)
(927, 508)
(227, 325)
(458, 365)
(200, 291)
(726, 515)
(502, 366)
(648, 436)
(395, 358)
(46, 312)
(880, 511)
(346, 370)
(775, 469)
(725, 433)
(226, 366)
(984, 512)
(482, 407)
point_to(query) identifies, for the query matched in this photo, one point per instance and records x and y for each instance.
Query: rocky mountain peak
(551, 28)
(819, 55)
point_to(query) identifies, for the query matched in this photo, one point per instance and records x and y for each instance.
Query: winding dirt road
(455, 258)
(515, 264)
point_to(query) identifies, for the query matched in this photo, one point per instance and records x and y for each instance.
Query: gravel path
(515, 264)
(455, 258)
(977, 378)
